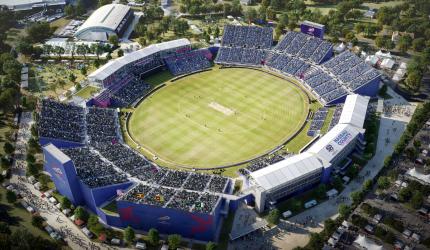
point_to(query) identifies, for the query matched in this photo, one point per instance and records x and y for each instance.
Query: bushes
(273, 217)
(174, 241)
(37, 221)
(394, 223)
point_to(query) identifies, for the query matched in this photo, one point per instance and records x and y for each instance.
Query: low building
(108, 20)
(300, 172)
(21, 5)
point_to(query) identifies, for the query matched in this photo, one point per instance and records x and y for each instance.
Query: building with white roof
(121, 65)
(314, 165)
(107, 20)
(20, 5)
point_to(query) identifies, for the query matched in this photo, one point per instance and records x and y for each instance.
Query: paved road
(390, 130)
(74, 237)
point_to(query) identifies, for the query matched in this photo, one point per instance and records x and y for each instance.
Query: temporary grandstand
(292, 175)
(121, 79)
(304, 57)
(107, 20)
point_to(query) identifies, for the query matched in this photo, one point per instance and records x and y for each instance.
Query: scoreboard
(313, 29)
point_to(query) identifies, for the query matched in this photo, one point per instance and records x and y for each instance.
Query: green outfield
(218, 117)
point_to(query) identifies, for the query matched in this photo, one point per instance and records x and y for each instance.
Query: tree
(84, 70)
(72, 77)
(129, 234)
(380, 41)
(31, 158)
(404, 43)
(81, 8)
(44, 180)
(120, 53)
(92, 220)
(65, 203)
(216, 32)
(113, 39)
(344, 210)
(383, 182)
(32, 169)
(356, 196)
(274, 216)
(174, 241)
(413, 81)
(405, 194)
(4, 228)
(81, 214)
(210, 246)
(359, 27)
(250, 14)
(38, 32)
(417, 199)
(320, 191)
(283, 19)
(367, 185)
(153, 236)
(8, 148)
(104, 2)
(10, 196)
(24, 47)
(37, 221)
(58, 50)
(419, 44)
(69, 10)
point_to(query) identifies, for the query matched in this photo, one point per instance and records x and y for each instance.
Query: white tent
(365, 243)
(387, 63)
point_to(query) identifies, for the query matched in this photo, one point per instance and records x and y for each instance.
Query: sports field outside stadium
(218, 117)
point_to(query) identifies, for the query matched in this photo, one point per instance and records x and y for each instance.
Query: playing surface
(218, 117)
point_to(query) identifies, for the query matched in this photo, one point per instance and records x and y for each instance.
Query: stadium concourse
(90, 164)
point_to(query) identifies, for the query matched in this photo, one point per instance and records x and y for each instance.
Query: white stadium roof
(328, 146)
(53, 150)
(322, 152)
(116, 64)
(354, 110)
(29, 4)
(106, 17)
(287, 170)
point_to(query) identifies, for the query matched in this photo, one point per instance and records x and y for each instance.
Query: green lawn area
(301, 139)
(87, 92)
(159, 78)
(218, 118)
(19, 217)
(111, 208)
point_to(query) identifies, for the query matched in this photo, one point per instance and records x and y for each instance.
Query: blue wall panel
(370, 89)
(64, 176)
(169, 221)
(59, 143)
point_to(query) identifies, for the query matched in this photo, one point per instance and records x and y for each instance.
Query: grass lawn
(159, 78)
(19, 217)
(218, 117)
(87, 92)
(111, 208)
(6, 130)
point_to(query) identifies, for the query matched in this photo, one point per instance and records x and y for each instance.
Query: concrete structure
(107, 20)
(120, 66)
(300, 172)
(19, 5)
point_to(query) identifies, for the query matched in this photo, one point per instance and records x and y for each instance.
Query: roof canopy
(354, 110)
(287, 170)
(106, 17)
(113, 65)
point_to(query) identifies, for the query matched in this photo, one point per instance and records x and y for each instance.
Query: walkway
(296, 230)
